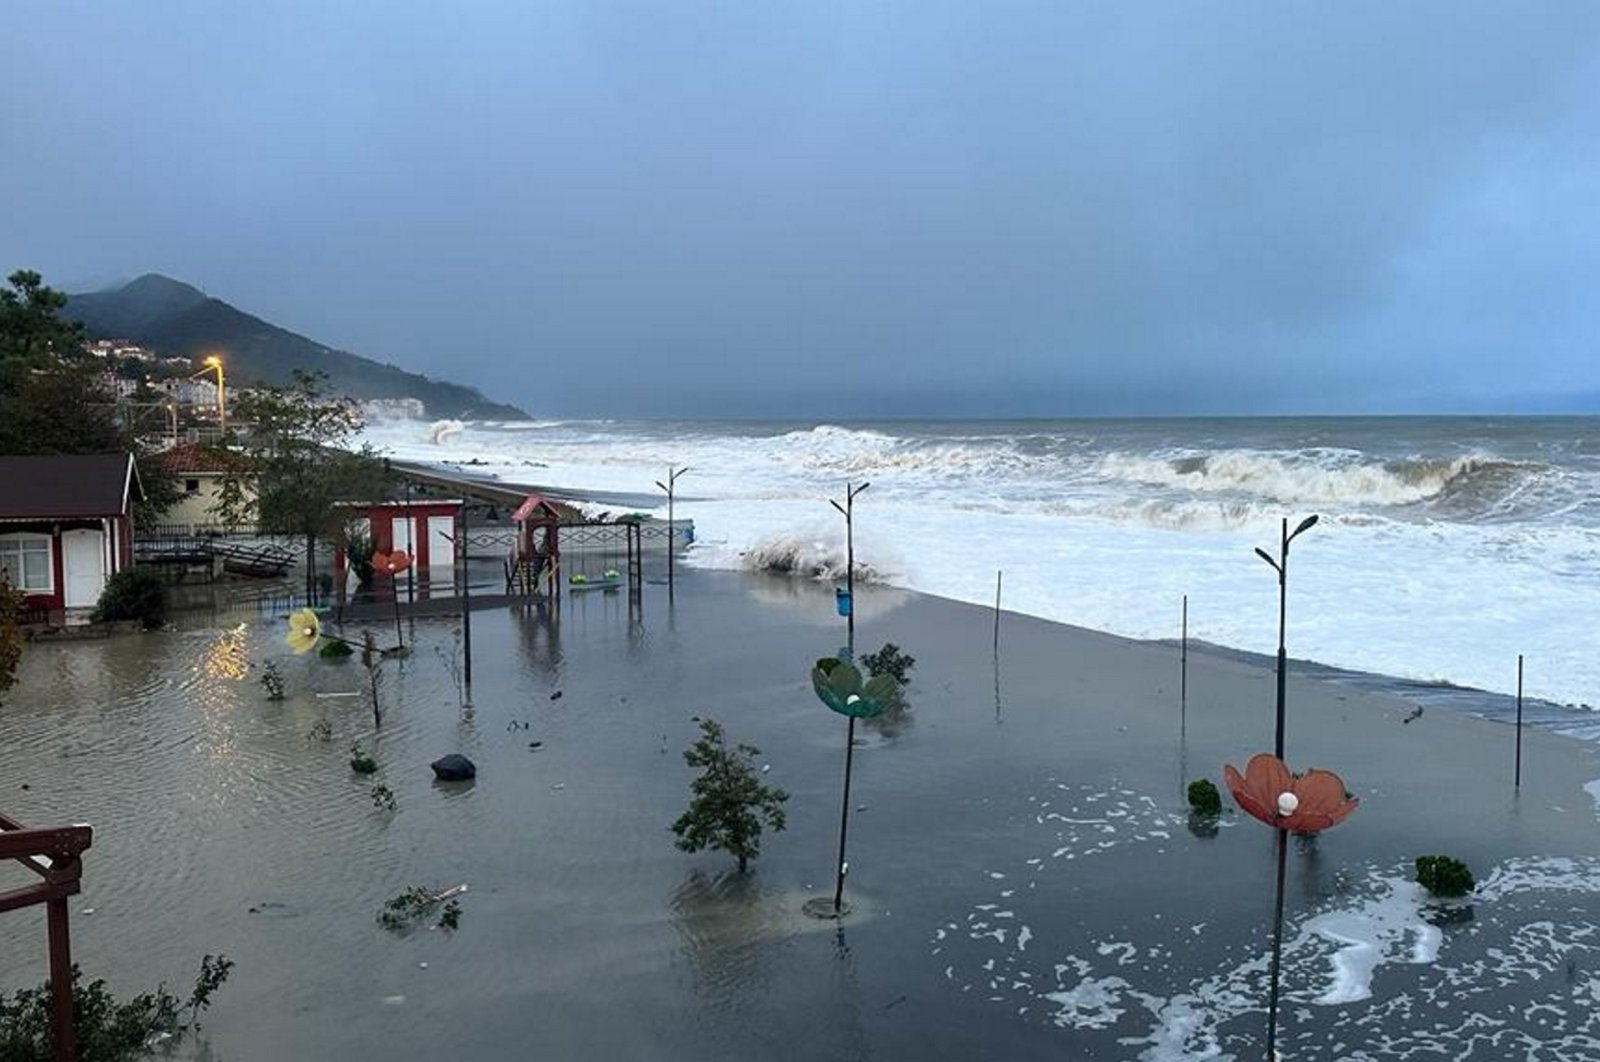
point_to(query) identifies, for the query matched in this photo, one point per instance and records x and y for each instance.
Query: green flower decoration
(840, 687)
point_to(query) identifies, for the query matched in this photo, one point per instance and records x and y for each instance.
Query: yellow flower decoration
(305, 630)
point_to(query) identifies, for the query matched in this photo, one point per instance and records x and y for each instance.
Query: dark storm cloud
(847, 209)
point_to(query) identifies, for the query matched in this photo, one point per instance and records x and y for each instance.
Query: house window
(26, 559)
(191, 486)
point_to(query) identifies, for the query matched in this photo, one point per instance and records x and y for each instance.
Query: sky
(844, 210)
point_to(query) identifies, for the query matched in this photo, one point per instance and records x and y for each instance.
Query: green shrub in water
(106, 1030)
(360, 762)
(1204, 799)
(332, 650)
(133, 594)
(1443, 876)
(889, 661)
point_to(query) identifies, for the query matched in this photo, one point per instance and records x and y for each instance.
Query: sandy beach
(1022, 871)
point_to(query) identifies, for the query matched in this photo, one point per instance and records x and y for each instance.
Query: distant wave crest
(1323, 477)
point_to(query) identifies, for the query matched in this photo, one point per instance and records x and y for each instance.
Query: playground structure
(533, 566)
(55, 854)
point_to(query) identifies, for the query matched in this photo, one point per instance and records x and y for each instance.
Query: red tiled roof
(192, 457)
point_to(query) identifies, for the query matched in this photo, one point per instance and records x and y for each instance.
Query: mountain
(170, 317)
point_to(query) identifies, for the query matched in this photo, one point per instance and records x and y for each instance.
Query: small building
(199, 472)
(66, 525)
(424, 529)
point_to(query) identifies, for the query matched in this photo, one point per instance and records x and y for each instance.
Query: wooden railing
(55, 853)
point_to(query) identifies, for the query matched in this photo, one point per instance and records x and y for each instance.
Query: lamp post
(670, 486)
(214, 362)
(847, 510)
(1281, 566)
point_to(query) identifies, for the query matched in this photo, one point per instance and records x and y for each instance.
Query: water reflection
(539, 630)
(725, 921)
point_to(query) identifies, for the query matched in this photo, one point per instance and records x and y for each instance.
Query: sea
(1444, 548)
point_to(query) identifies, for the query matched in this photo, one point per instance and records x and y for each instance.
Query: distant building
(66, 525)
(200, 471)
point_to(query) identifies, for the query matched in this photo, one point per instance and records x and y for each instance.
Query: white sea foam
(1435, 559)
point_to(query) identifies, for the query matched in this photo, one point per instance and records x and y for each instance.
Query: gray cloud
(849, 210)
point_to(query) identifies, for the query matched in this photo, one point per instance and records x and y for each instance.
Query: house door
(83, 564)
(441, 542)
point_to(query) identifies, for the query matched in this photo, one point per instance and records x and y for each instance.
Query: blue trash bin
(841, 600)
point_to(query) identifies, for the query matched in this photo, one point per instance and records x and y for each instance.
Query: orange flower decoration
(1303, 803)
(391, 563)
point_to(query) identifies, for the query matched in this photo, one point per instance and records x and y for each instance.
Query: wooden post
(60, 981)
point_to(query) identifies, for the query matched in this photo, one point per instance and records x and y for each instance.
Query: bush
(106, 1030)
(889, 661)
(1443, 876)
(730, 804)
(133, 594)
(10, 632)
(1204, 799)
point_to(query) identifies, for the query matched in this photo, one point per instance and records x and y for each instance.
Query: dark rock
(535, 744)
(454, 768)
(556, 696)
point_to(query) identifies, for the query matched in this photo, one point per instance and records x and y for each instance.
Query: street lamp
(669, 486)
(210, 363)
(1281, 566)
(847, 510)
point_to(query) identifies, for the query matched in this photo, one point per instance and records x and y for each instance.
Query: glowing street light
(215, 362)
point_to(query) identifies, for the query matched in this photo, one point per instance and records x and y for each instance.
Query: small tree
(297, 469)
(730, 806)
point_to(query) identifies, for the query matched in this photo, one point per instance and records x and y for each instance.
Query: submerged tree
(730, 806)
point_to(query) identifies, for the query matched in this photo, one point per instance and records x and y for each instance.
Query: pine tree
(730, 806)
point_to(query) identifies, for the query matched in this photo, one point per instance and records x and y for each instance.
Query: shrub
(730, 805)
(360, 762)
(10, 632)
(334, 650)
(1443, 876)
(405, 909)
(272, 681)
(133, 594)
(1204, 799)
(106, 1030)
(889, 661)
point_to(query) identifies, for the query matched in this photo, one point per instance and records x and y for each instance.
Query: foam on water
(1444, 549)
(1376, 971)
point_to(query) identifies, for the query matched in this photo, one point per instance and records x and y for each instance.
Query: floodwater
(1023, 875)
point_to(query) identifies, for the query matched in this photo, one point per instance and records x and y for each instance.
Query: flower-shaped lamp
(391, 563)
(305, 630)
(1306, 803)
(839, 685)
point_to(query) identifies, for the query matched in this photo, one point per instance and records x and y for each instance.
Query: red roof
(535, 504)
(192, 457)
(67, 486)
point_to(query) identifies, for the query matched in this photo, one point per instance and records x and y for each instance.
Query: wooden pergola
(55, 854)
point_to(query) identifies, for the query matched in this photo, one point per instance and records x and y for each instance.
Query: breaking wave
(1323, 477)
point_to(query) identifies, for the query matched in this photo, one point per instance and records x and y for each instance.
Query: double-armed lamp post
(1281, 566)
(670, 486)
(847, 510)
